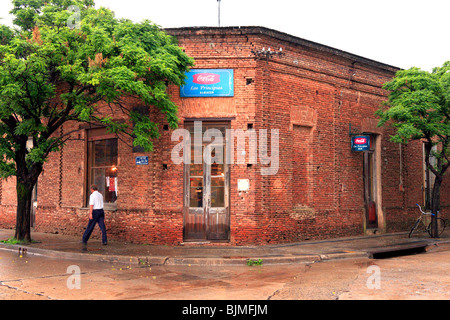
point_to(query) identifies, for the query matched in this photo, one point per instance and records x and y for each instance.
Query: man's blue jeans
(98, 216)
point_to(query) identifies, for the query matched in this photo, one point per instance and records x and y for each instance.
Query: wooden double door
(206, 184)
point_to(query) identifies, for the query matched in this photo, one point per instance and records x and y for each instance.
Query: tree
(419, 109)
(64, 60)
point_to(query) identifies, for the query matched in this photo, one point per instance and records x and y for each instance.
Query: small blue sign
(142, 161)
(361, 143)
(208, 83)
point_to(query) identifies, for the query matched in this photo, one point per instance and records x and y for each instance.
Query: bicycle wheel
(414, 228)
(441, 226)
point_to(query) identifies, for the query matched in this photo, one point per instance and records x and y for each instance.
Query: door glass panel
(196, 187)
(196, 167)
(217, 197)
(196, 192)
(217, 170)
(197, 154)
(196, 170)
(217, 183)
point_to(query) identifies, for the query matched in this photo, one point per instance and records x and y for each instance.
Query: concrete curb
(229, 261)
(345, 255)
(266, 258)
(163, 260)
(438, 246)
(83, 256)
(172, 261)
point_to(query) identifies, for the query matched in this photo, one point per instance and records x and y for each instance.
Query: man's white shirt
(96, 199)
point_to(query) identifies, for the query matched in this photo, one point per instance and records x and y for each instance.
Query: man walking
(96, 215)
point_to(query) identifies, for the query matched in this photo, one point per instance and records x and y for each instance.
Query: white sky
(402, 33)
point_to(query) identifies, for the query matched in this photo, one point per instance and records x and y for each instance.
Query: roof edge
(252, 30)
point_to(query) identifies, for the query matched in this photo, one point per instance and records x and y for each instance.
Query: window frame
(92, 135)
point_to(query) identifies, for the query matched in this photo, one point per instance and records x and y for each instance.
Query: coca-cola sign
(361, 143)
(208, 83)
(362, 140)
(206, 78)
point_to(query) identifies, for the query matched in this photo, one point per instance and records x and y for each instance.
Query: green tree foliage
(64, 60)
(419, 109)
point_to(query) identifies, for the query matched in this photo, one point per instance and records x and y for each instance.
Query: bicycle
(425, 218)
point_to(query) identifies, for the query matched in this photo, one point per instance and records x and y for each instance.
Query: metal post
(219, 10)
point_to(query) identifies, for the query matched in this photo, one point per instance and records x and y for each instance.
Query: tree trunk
(435, 206)
(23, 218)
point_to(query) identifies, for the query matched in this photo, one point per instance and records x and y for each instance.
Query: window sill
(105, 208)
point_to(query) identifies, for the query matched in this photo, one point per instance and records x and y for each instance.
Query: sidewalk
(69, 247)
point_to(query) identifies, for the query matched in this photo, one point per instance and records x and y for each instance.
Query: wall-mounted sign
(208, 83)
(243, 185)
(360, 143)
(141, 161)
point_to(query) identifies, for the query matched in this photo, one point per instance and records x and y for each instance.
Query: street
(32, 277)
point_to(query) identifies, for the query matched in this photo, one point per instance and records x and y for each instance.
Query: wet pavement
(29, 276)
(69, 247)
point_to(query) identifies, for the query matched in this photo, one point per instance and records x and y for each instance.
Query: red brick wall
(311, 95)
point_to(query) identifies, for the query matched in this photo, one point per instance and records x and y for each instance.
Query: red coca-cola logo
(360, 141)
(206, 78)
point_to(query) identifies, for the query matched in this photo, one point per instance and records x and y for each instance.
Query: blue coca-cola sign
(360, 143)
(208, 83)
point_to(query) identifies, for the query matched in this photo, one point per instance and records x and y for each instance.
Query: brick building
(310, 98)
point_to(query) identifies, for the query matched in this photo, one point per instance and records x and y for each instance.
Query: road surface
(422, 276)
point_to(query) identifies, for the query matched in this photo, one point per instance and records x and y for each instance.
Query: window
(102, 165)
